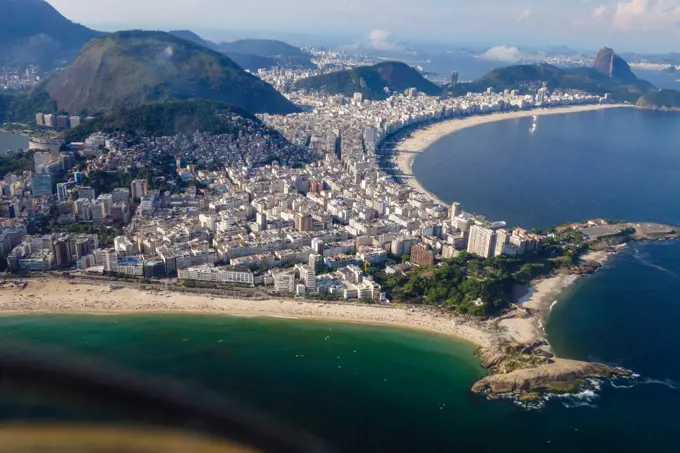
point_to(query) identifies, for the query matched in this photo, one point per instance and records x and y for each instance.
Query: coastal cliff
(528, 371)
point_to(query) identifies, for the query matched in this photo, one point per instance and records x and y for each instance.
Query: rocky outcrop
(554, 375)
(609, 63)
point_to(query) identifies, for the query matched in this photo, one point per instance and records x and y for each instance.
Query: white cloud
(646, 15)
(524, 15)
(380, 40)
(599, 12)
(503, 53)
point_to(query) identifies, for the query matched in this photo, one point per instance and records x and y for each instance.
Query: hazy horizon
(651, 26)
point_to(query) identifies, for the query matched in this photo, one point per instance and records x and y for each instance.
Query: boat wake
(636, 381)
(639, 257)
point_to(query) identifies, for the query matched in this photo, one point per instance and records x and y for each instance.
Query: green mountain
(252, 62)
(33, 32)
(265, 47)
(21, 108)
(374, 82)
(171, 118)
(249, 62)
(661, 100)
(130, 68)
(283, 54)
(609, 74)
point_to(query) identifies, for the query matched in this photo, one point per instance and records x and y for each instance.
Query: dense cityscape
(204, 208)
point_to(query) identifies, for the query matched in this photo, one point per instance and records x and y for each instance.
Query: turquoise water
(401, 391)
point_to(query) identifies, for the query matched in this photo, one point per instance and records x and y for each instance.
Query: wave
(552, 305)
(671, 384)
(634, 381)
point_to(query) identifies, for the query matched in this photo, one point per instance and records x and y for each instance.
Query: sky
(626, 25)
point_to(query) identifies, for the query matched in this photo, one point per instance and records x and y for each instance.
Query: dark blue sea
(616, 164)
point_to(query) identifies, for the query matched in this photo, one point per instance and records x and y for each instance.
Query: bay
(616, 164)
(401, 391)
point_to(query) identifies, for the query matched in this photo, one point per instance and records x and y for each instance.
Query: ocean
(12, 142)
(379, 389)
(616, 164)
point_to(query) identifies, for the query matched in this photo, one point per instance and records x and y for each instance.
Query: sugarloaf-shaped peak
(609, 63)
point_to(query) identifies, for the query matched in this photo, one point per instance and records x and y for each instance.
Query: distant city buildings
(454, 78)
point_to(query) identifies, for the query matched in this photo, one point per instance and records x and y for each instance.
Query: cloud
(599, 12)
(645, 15)
(503, 53)
(379, 40)
(524, 15)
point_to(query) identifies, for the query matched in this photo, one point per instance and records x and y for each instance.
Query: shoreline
(542, 295)
(406, 151)
(61, 296)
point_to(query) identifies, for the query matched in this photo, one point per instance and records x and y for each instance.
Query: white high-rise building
(502, 238)
(456, 210)
(482, 241)
(540, 96)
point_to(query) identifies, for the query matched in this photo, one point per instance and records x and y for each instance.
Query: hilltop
(171, 118)
(33, 32)
(607, 62)
(190, 36)
(249, 62)
(609, 74)
(281, 53)
(375, 82)
(130, 68)
(661, 100)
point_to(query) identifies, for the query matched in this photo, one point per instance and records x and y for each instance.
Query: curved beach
(420, 140)
(54, 295)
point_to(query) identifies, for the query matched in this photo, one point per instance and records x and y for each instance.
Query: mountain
(609, 74)
(284, 54)
(264, 47)
(250, 62)
(130, 68)
(661, 100)
(32, 32)
(374, 82)
(170, 118)
(609, 63)
(189, 35)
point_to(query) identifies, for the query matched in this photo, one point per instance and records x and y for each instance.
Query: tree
(405, 258)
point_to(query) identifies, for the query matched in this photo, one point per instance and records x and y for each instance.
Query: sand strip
(54, 295)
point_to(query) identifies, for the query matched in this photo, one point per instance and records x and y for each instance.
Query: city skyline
(634, 25)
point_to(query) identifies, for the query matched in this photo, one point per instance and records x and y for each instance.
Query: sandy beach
(420, 140)
(540, 300)
(52, 295)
